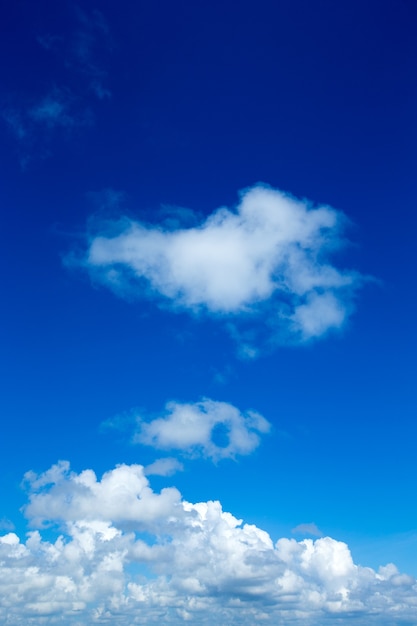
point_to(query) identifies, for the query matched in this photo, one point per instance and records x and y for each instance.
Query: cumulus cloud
(122, 494)
(215, 430)
(182, 561)
(268, 257)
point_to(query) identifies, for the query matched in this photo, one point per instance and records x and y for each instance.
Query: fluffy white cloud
(268, 257)
(215, 430)
(194, 563)
(122, 495)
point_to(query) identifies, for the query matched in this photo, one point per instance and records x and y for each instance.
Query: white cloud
(122, 494)
(215, 430)
(164, 467)
(268, 257)
(194, 563)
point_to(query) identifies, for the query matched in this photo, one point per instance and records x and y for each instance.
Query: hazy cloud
(178, 562)
(6, 524)
(36, 122)
(13, 119)
(268, 258)
(90, 38)
(307, 529)
(54, 110)
(35, 119)
(164, 467)
(215, 430)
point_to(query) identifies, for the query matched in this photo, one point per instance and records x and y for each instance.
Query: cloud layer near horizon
(268, 257)
(129, 555)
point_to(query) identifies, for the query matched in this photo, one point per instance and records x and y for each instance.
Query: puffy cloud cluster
(114, 563)
(268, 257)
(122, 495)
(212, 429)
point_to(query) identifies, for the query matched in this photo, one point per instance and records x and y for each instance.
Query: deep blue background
(316, 98)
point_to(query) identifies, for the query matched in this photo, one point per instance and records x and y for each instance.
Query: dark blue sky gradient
(315, 98)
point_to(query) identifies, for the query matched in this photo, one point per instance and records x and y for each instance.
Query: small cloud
(35, 123)
(6, 524)
(263, 268)
(49, 110)
(125, 421)
(54, 110)
(164, 467)
(307, 529)
(222, 376)
(214, 430)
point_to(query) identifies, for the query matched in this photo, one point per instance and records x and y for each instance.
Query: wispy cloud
(54, 110)
(13, 119)
(214, 430)
(309, 529)
(58, 108)
(126, 554)
(86, 43)
(164, 467)
(268, 259)
(35, 118)
(82, 48)
(36, 122)
(6, 524)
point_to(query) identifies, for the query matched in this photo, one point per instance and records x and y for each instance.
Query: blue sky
(208, 336)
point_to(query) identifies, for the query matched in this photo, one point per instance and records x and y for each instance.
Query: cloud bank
(214, 430)
(268, 258)
(128, 555)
